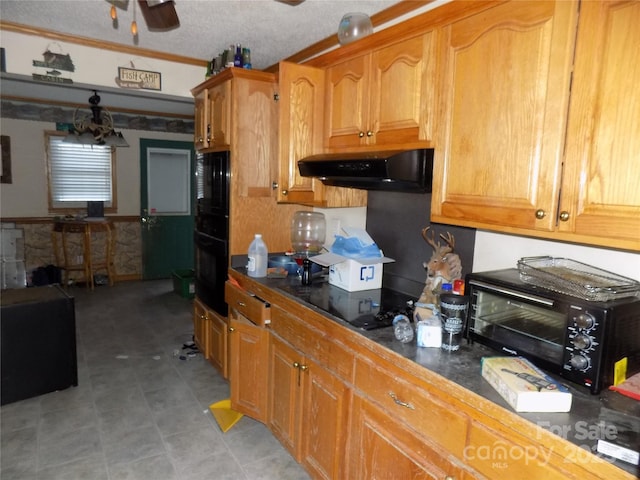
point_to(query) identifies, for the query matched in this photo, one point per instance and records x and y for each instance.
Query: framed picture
(5, 175)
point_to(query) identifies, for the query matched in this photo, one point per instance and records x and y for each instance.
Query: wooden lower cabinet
(308, 408)
(248, 368)
(381, 447)
(216, 342)
(210, 336)
(199, 326)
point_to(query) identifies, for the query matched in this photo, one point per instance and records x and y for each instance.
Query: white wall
(26, 196)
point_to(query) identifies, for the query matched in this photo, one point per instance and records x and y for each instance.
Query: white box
(353, 305)
(428, 328)
(354, 274)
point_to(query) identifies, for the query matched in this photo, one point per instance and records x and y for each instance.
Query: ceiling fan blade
(161, 17)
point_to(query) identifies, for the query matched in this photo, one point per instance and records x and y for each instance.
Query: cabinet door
(301, 121)
(200, 326)
(347, 103)
(217, 342)
(248, 356)
(324, 416)
(504, 94)
(201, 127)
(256, 139)
(402, 92)
(220, 115)
(601, 188)
(285, 394)
(380, 448)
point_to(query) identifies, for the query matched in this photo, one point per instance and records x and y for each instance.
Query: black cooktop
(367, 309)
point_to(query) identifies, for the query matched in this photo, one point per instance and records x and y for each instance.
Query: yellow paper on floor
(224, 414)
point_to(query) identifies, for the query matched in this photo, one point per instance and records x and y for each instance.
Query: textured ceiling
(271, 29)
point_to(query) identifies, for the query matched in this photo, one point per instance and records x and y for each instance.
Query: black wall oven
(211, 234)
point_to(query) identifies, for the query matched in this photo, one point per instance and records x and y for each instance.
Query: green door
(167, 212)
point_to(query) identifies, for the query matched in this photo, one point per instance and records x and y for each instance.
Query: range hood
(397, 170)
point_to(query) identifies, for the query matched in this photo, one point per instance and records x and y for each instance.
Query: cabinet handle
(296, 365)
(369, 133)
(200, 140)
(209, 133)
(449, 477)
(361, 134)
(202, 316)
(400, 402)
(564, 216)
(242, 304)
(285, 192)
(274, 185)
(304, 368)
(231, 329)
(540, 214)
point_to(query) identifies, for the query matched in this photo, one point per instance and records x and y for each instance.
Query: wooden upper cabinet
(504, 92)
(254, 144)
(220, 115)
(302, 93)
(201, 126)
(212, 117)
(382, 98)
(301, 114)
(601, 187)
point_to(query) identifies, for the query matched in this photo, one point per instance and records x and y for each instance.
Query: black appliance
(397, 170)
(580, 340)
(367, 309)
(211, 234)
(38, 342)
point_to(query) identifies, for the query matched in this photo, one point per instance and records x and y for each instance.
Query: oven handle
(513, 293)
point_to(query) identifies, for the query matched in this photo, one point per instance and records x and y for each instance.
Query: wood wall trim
(401, 8)
(99, 44)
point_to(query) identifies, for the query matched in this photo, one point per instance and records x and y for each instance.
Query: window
(79, 173)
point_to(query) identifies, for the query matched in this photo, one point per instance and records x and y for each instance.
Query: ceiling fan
(159, 15)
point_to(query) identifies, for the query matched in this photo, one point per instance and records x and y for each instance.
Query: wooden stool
(88, 265)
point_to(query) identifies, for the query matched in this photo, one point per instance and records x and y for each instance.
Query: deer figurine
(443, 267)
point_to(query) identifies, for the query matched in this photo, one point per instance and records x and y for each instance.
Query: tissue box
(428, 327)
(354, 273)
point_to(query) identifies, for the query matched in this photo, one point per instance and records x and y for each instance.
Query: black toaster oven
(582, 341)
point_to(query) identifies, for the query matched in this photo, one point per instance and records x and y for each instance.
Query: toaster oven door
(518, 324)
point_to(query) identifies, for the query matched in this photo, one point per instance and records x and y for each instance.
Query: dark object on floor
(46, 276)
(38, 336)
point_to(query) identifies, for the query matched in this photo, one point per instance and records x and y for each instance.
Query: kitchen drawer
(423, 412)
(313, 343)
(246, 303)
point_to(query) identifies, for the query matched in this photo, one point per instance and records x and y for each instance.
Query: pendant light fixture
(95, 128)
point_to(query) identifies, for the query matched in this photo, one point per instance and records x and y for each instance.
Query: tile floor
(139, 412)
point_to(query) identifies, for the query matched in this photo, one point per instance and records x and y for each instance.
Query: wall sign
(139, 79)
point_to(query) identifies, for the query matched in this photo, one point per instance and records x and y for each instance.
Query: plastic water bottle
(257, 258)
(402, 328)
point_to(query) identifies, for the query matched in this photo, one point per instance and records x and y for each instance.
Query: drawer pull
(400, 402)
(242, 304)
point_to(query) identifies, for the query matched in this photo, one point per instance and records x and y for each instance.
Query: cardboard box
(353, 305)
(524, 386)
(354, 274)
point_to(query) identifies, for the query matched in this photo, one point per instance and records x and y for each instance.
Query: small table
(88, 265)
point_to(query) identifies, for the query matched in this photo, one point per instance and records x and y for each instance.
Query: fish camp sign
(138, 79)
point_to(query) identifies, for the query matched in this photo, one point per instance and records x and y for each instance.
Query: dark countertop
(590, 415)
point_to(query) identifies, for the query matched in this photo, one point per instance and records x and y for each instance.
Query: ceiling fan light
(114, 13)
(134, 28)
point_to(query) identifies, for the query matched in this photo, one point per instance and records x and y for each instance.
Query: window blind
(79, 173)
